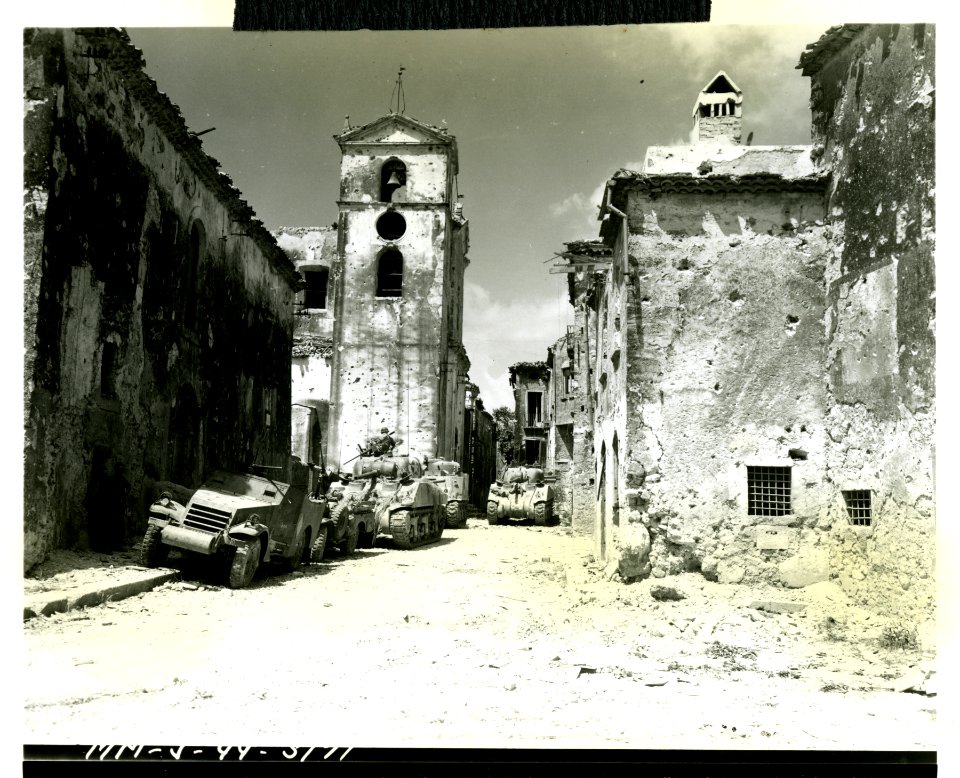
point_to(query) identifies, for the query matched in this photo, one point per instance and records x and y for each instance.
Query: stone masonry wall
(157, 342)
(726, 374)
(873, 107)
(391, 361)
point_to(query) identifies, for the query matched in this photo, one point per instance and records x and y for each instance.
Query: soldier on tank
(381, 445)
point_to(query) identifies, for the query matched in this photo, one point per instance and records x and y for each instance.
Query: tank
(388, 496)
(455, 488)
(522, 493)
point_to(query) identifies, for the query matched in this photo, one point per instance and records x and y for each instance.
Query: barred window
(768, 491)
(859, 507)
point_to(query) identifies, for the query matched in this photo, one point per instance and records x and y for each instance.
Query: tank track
(406, 534)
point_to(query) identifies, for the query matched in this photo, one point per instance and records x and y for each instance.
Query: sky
(542, 118)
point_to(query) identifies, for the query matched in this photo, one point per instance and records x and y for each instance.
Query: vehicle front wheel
(492, 512)
(153, 551)
(246, 560)
(319, 548)
(350, 542)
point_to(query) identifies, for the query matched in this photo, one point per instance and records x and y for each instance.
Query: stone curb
(59, 602)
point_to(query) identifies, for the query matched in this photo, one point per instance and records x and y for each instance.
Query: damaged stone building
(763, 372)
(570, 455)
(529, 381)
(480, 448)
(398, 359)
(158, 312)
(313, 251)
(379, 321)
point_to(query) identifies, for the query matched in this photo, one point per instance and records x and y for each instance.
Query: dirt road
(495, 636)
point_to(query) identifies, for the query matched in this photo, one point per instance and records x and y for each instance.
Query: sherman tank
(388, 496)
(455, 488)
(522, 493)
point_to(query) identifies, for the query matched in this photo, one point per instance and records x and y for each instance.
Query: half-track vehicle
(455, 488)
(522, 492)
(241, 520)
(388, 496)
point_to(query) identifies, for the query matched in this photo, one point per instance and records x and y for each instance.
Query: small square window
(768, 491)
(859, 507)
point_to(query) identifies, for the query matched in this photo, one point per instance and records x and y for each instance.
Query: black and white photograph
(520, 388)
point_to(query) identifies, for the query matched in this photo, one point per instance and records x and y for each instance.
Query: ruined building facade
(570, 394)
(480, 449)
(872, 99)
(530, 381)
(313, 251)
(158, 312)
(398, 356)
(763, 372)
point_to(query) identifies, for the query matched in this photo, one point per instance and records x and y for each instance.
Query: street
(502, 636)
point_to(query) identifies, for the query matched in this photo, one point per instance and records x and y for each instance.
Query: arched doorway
(602, 503)
(184, 437)
(615, 482)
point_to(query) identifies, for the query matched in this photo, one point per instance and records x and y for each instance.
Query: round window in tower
(391, 225)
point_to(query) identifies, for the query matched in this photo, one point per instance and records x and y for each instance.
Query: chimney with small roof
(718, 113)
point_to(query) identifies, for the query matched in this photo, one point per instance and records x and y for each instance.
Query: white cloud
(499, 332)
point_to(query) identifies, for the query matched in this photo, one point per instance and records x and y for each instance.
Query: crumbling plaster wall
(312, 248)
(427, 173)
(388, 349)
(726, 373)
(873, 111)
(399, 362)
(121, 200)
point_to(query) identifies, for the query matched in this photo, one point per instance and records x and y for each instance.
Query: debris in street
(666, 594)
(772, 606)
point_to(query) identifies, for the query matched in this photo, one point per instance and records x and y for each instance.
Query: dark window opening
(109, 367)
(565, 435)
(859, 507)
(393, 176)
(315, 293)
(768, 491)
(391, 225)
(390, 274)
(532, 452)
(567, 381)
(534, 408)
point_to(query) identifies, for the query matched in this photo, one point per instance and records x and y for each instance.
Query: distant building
(158, 312)
(398, 356)
(570, 397)
(480, 450)
(529, 381)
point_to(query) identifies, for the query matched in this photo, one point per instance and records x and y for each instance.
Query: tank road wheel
(246, 560)
(319, 547)
(401, 528)
(440, 525)
(540, 514)
(454, 514)
(153, 551)
(492, 513)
